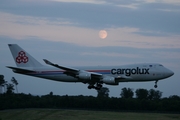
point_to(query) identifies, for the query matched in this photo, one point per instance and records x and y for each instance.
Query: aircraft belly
(141, 78)
(62, 78)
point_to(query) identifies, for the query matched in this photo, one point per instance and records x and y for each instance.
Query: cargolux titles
(128, 72)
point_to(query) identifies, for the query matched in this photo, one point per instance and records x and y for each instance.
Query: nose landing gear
(155, 86)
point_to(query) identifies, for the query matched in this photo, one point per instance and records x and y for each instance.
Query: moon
(102, 34)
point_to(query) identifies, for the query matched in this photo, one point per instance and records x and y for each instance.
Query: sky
(66, 32)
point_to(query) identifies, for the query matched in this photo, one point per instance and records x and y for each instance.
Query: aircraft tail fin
(22, 58)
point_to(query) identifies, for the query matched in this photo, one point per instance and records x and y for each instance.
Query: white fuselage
(131, 73)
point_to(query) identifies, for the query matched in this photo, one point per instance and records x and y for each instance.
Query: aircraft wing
(61, 67)
(72, 71)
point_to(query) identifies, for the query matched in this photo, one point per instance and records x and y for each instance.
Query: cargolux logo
(21, 58)
(128, 72)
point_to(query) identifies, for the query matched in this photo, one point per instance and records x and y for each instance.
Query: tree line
(6, 87)
(144, 100)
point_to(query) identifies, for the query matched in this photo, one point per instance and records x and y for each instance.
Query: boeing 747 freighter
(94, 76)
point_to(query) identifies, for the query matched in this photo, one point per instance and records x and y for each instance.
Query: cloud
(82, 1)
(13, 26)
(131, 6)
(132, 14)
(170, 10)
(173, 2)
(110, 54)
(136, 4)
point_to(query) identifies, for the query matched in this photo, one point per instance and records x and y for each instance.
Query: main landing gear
(155, 86)
(97, 87)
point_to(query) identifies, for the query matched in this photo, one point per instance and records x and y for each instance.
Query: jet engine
(84, 76)
(109, 80)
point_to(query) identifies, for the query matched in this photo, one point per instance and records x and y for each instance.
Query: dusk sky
(66, 32)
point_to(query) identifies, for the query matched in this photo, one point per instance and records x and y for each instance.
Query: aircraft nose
(169, 73)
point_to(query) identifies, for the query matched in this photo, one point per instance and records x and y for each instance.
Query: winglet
(48, 62)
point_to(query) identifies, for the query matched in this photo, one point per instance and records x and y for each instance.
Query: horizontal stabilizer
(15, 69)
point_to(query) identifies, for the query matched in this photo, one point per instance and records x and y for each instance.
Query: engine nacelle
(84, 76)
(109, 81)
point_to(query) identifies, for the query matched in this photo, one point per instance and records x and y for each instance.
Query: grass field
(55, 114)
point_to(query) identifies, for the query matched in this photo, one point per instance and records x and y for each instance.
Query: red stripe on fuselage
(45, 72)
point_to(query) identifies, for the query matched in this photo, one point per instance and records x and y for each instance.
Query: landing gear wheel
(90, 87)
(99, 85)
(155, 86)
(97, 88)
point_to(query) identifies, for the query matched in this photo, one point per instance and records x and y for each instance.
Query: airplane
(94, 76)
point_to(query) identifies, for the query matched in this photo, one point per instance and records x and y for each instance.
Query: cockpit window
(160, 65)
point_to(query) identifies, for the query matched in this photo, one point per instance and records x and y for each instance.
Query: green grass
(55, 114)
